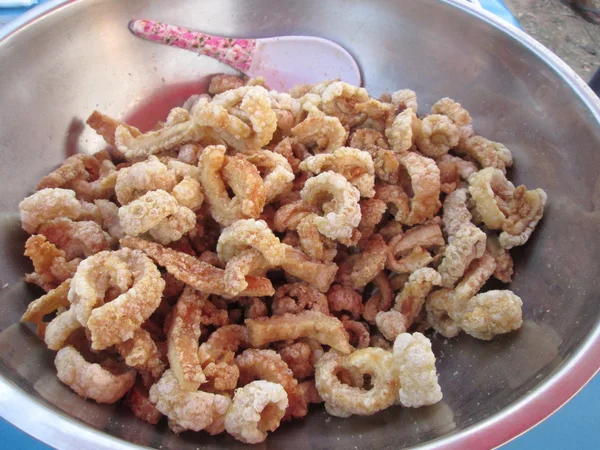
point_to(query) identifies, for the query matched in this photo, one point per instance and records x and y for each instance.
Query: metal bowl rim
(58, 430)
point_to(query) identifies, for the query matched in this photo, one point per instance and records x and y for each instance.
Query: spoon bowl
(283, 61)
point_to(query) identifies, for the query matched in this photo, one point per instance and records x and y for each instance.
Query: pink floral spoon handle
(238, 53)
(283, 61)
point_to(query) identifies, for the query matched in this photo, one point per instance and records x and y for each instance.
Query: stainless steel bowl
(66, 58)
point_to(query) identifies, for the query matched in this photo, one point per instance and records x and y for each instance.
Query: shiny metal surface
(78, 55)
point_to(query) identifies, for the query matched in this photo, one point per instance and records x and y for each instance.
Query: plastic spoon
(283, 61)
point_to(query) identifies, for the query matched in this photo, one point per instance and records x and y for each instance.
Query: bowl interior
(82, 57)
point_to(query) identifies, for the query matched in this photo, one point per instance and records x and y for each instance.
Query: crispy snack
(309, 391)
(338, 199)
(102, 187)
(468, 244)
(501, 206)
(319, 132)
(251, 104)
(413, 250)
(257, 408)
(223, 343)
(217, 353)
(276, 171)
(289, 216)
(142, 177)
(241, 265)
(415, 363)
(372, 211)
(411, 299)
(109, 218)
(250, 233)
(456, 213)
(379, 114)
(343, 400)
(453, 110)
(105, 383)
(359, 270)
(141, 353)
(60, 328)
(247, 246)
(72, 168)
(139, 402)
(47, 204)
(438, 135)
(192, 271)
(221, 83)
(368, 140)
(475, 277)
(294, 298)
(188, 154)
(106, 126)
(358, 332)
(158, 213)
(174, 134)
(425, 181)
(487, 153)
(76, 239)
(255, 364)
(287, 109)
(241, 176)
(313, 243)
(244, 190)
(344, 299)
(189, 410)
(182, 340)
(391, 323)
(394, 198)
(355, 165)
(296, 263)
(172, 228)
(48, 303)
(341, 100)
(504, 262)
(381, 300)
(405, 98)
(301, 356)
(438, 305)
(404, 131)
(324, 329)
(138, 286)
(492, 313)
(50, 265)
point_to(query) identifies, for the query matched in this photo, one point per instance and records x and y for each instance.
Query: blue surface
(574, 426)
(498, 8)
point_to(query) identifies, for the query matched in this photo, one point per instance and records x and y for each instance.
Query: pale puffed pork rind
(217, 171)
(469, 243)
(104, 384)
(139, 286)
(344, 400)
(142, 177)
(492, 313)
(515, 211)
(257, 408)
(48, 204)
(341, 212)
(415, 363)
(355, 165)
(189, 410)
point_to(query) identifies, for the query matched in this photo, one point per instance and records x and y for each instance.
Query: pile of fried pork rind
(261, 251)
